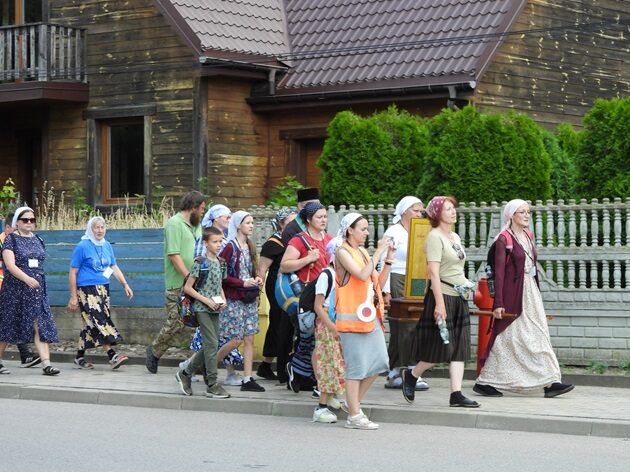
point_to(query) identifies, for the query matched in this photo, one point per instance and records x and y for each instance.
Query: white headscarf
(508, 212)
(213, 213)
(235, 222)
(345, 223)
(403, 205)
(332, 246)
(89, 232)
(18, 213)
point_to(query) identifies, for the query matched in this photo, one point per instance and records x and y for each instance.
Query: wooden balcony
(42, 62)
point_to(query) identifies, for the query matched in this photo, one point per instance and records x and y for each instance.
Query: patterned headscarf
(89, 231)
(235, 222)
(403, 205)
(282, 214)
(213, 213)
(508, 212)
(332, 246)
(434, 209)
(18, 213)
(345, 223)
(309, 210)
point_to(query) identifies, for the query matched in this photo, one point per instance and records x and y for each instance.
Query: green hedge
(603, 159)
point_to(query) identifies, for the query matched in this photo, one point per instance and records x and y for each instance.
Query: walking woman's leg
(352, 396)
(456, 373)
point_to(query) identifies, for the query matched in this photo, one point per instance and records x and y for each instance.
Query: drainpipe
(452, 96)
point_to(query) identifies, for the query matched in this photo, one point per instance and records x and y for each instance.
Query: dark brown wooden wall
(134, 58)
(555, 78)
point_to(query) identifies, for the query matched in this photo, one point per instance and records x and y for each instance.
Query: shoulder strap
(509, 242)
(276, 240)
(304, 241)
(330, 282)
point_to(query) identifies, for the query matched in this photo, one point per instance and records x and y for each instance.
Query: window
(19, 12)
(122, 152)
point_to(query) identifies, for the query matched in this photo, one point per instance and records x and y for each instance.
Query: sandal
(50, 370)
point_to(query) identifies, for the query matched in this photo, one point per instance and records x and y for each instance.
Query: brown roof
(346, 45)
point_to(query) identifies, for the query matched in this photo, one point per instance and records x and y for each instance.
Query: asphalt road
(52, 436)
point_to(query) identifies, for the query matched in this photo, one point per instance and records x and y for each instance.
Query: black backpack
(490, 261)
(307, 297)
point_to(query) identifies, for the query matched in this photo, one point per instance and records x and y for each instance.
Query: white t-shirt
(322, 285)
(399, 264)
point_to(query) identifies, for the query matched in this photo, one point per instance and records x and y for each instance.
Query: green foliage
(203, 185)
(79, 200)
(372, 160)
(482, 157)
(625, 366)
(604, 153)
(285, 194)
(568, 140)
(563, 170)
(8, 196)
(598, 367)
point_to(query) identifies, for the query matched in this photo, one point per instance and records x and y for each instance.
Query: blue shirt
(91, 261)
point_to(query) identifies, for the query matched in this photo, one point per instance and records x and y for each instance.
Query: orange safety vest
(348, 297)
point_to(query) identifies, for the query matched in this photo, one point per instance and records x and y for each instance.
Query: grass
(598, 367)
(625, 366)
(55, 212)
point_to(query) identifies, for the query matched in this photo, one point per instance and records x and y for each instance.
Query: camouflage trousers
(174, 333)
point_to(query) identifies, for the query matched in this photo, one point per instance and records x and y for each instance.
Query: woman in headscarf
(280, 331)
(443, 305)
(91, 267)
(239, 321)
(306, 255)
(25, 314)
(359, 319)
(399, 333)
(519, 357)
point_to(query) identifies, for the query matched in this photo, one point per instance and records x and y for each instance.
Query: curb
(301, 409)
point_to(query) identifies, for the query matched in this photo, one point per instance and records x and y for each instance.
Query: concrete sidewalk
(588, 410)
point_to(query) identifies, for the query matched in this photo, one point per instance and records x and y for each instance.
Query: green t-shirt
(179, 238)
(217, 271)
(441, 249)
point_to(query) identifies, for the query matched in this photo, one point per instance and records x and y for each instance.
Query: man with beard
(180, 234)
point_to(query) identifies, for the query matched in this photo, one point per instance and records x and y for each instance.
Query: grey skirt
(365, 354)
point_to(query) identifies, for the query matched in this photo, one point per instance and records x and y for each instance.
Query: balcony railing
(42, 52)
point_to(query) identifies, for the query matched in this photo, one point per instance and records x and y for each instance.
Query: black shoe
(409, 385)
(50, 370)
(264, 372)
(31, 360)
(251, 386)
(152, 361)
(557, 388)
(486, 390)
(184, 381)
(459, 400)
(293, 383)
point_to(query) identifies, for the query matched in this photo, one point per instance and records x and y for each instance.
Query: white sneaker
(421, 385)
(360, 421)
(233, 380)
(324, 415)
(393, 382)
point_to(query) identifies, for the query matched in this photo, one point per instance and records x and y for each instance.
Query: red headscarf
(434, 209)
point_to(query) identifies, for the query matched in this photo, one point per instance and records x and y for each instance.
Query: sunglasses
(458, 249)
(27, 220)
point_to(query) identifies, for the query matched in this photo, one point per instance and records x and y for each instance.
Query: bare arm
(322, 314)
(178, 263)
(347, 262)
(121, 279)
(292, 262)
(436, 287)
(263, 267)
(73, 304)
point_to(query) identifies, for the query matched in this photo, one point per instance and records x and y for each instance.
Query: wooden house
(144, 98)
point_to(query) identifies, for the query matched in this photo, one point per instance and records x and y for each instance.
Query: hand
(391, 250)
(387, 299)
(73, 304)
(31, 282)
(313, 255)
(498, 313)
(333, 330)
(128, 291)
(258, 281)
(439, 313)
(212, 305)
(250, 283)
(382, 244)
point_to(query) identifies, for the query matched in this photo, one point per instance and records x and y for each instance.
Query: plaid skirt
(427, 344)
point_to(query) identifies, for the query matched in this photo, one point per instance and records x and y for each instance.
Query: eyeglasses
(458, 249)
(27, 220)
(523, 212)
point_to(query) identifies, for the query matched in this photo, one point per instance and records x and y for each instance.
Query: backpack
(185, 302)
(490, 261)
(307, 297)
(289, 287)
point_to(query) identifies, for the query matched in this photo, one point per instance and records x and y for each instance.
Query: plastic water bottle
(443, 330)
(297, 286)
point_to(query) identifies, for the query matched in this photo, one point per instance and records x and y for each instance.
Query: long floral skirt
(330, 368)
(98, 327)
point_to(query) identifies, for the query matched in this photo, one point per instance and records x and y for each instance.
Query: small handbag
(185, 302)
